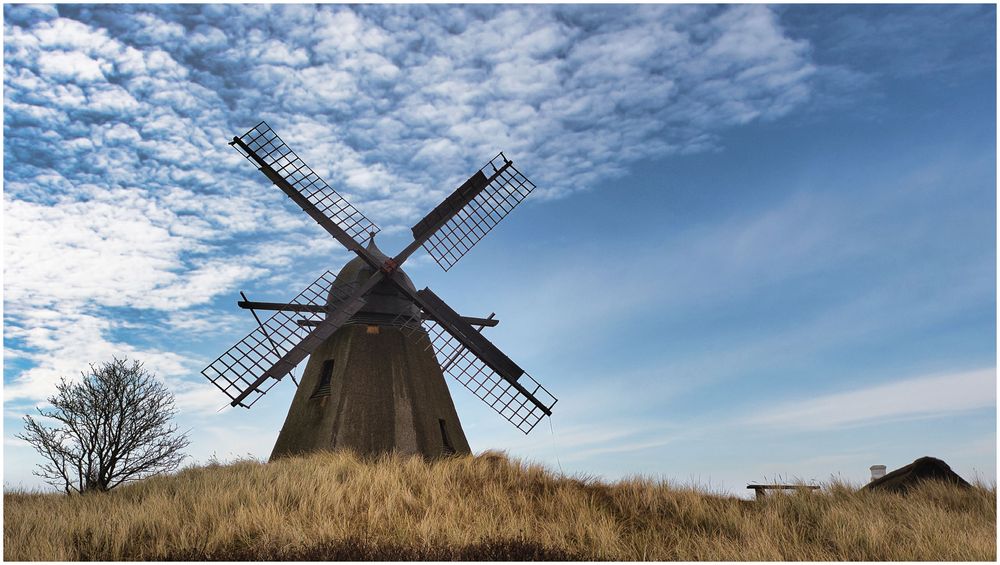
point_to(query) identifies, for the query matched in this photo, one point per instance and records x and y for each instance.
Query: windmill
(377, 347)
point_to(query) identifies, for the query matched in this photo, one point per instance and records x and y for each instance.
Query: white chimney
(878, 471)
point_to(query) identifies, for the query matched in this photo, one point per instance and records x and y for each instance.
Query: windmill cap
(385, 298)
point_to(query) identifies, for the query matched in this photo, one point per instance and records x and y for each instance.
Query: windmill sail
(262, 147)
(480, 366)
(523, 408)
(336, 318)
(465, 217)
(236, 370)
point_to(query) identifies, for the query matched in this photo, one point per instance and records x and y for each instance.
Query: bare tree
(114, 427)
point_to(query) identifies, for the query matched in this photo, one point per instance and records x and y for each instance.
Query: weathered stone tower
(373, 386)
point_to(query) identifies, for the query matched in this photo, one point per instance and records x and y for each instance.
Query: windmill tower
(377, 347)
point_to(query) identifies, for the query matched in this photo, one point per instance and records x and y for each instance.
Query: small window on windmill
(323, 386)
(446, 447)
(372, 329)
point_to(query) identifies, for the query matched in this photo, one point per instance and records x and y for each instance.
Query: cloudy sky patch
(771, 187)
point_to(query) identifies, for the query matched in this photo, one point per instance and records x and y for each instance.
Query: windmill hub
(389, 266)
(386, 302)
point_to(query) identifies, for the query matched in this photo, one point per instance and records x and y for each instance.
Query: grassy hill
(336, 506)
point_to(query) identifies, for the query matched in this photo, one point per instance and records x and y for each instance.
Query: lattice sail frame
(236, 369)
(474, 220)
(464, 366)
(280, 157)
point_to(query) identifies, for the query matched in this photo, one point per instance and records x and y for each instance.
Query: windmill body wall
(385, 392)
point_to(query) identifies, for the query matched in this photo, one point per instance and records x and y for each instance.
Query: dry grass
(336, 506)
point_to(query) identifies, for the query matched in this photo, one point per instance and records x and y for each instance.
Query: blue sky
(763, 243)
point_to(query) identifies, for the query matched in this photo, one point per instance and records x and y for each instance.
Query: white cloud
(63, 343)
(199, 397)
(64, 33)
(70, 66)
(121, 193)
(920, 397)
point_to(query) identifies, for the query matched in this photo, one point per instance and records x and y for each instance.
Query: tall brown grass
(337, 506)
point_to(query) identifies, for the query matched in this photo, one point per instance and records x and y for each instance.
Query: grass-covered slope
(335, 506)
